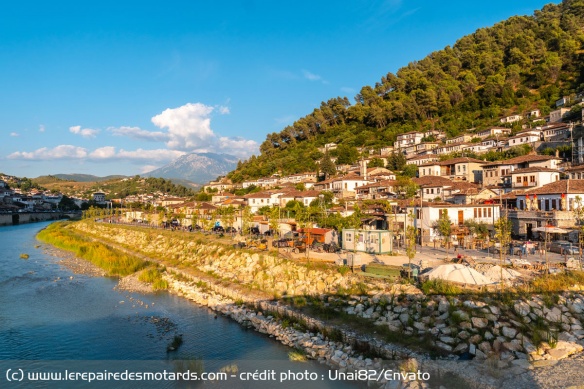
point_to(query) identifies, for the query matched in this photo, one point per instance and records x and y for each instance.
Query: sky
(124, 87)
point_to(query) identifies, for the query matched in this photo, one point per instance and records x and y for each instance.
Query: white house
(345, 186)
(494, 172)
(511, 119)
(533, 177)
(494, 131)
(557, 115)
(522, 138)
(559, 195)
(428, 215)
(408, 139)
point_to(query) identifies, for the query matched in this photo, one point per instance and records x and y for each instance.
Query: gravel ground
(76, 265)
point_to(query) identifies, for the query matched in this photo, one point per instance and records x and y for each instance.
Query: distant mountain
(199, 168)
(76, 177)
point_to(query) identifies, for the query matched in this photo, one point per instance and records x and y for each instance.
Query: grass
(553, 283)
(441, 287)
(382, 270)
(152, 275)
(297, 355)
(115, 263)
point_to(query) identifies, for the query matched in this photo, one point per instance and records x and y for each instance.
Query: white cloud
(106, 152)
(238, 146)
(42, 128)
(63, 152)
(311, 76)
(223, 110)
(150, 155)
(138, 133)
(44, 153)
(85, 132)
(189, 126)
(148, 168)
(14, 134)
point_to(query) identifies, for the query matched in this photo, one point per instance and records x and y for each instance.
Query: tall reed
(114, 262)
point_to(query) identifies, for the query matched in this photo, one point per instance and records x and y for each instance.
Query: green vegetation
(523, 63)
(24, 256)
(152, 275)
(297, 355)
(382, 270)
(112, 261)
(437, 286)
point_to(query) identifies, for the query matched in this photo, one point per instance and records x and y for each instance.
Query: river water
(52, 320)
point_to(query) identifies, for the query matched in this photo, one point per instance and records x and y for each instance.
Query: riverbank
(350, 317)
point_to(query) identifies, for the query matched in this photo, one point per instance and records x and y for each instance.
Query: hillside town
(539, 188)
(531, 190)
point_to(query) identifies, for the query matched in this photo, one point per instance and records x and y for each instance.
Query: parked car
(559, 246)
(254, 230)
(231, 230)
(284, 242)
(408, 268)
(218, 229)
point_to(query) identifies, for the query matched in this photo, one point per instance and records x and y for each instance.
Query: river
(52, 320)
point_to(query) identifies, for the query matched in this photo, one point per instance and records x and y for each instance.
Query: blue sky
(124, 87)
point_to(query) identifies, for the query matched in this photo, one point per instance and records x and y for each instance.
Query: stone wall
(28, 217)
(274, 275)
(514, 331)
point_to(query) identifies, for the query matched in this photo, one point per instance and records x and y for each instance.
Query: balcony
(524, 184)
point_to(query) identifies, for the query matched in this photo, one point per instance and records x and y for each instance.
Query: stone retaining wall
(515, 333)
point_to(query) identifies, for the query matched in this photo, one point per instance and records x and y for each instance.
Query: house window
(518, 180)
(480, 213)
(553, 203)
(531, 178)
(521, 204)
(490, 210)
(464, 168)
(348, 237)
(438, 190)
(475, 213)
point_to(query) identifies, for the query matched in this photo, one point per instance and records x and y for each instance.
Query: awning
(551, 230)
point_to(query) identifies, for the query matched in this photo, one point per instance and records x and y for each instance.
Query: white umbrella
(551, 230)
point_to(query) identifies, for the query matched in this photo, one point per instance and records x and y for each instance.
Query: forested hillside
(523, 63)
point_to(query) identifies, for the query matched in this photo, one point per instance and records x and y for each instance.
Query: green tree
(477, 230)
(503, 231)
(578, 211)
(229, 217)
(327, 166)
(410, 171)
(443, 226)
(376, 162)
(274, 221)
(247, 219)
(406, 188)
(411, 235)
